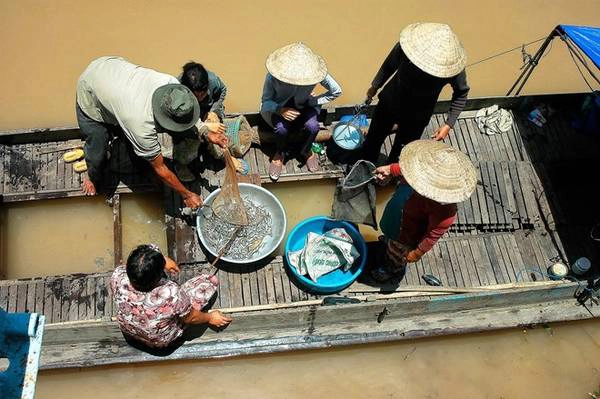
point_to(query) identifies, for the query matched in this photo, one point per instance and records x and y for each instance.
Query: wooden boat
(532, 208)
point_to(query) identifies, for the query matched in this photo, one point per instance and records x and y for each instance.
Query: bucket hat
(296, 64)
(433, 48)
(438, 171)
(175, 107)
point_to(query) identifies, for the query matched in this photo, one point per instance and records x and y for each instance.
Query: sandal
(275, 170)
(312, 163)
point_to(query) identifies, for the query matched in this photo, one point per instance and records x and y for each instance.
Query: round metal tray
(273, 206)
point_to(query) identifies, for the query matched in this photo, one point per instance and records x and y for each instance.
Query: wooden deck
(532, 207)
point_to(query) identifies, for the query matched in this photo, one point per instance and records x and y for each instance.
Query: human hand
(383, 174)
(414, 255)
(212, 117)
(216, 127)
(192, 200)
(217, 319)
(171, 266)
(441, 133)
(218, 139)
(289, 114)
(371, 92)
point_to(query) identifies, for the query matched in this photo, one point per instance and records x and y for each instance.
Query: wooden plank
(284, 284)
(21, 297)
(65, 300)
(505, 255)
(518, 192)
(489, 193)
(481, 196)
(468, 127)
(4, 297)
(483, 270)
(495, 260)
(269, 283)
(508, 214)
(101, 295)
(254, 291)
(525, 172)
(437, 266)
(516, 259)
(497, 199)
(89, 310)
(224, 295)
(262, 287)
(460, 275)
(117, 230)
(467, 261)
(454, 280)
(236, 292)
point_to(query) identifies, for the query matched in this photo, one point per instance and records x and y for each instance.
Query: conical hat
(437, 171)
(296, 64)
(433, 48)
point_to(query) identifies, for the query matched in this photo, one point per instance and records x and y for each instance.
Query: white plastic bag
(325, 253)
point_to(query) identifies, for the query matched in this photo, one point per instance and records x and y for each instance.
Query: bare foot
(278, 159)
(88, 187)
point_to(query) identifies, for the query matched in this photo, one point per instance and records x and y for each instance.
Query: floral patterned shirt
(153, 317)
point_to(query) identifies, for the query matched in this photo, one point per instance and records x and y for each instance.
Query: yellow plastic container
(73, 155)
(80, 166)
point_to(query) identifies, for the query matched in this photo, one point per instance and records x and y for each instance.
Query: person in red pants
(440, 177)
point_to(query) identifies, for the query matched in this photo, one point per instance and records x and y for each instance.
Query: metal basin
(271, 204)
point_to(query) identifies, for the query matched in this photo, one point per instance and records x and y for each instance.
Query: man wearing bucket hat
(113, 92)
(427, 57)
(423, 208)
(288, 102)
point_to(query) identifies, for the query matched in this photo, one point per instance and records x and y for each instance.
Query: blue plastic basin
(338, 279)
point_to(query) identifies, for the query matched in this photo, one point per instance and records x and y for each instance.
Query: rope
(579, 69)
(505, 52)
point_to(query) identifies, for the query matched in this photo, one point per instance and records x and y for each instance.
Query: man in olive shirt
(427, 57)
(142, 102)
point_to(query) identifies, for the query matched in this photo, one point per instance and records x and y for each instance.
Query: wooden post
(117, 229)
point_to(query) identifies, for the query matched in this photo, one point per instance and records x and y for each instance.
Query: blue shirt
(277, 93)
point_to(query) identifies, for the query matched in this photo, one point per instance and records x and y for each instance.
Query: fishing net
(228, 204)
(354, 198)
(238, 243)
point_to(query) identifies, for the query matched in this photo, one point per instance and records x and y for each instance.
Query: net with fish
(238, 242)
(228, 204)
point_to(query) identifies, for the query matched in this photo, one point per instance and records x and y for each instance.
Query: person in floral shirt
(154, 310)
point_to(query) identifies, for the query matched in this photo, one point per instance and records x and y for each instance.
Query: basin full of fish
(248, 240)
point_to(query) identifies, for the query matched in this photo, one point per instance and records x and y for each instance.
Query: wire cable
(504, 52)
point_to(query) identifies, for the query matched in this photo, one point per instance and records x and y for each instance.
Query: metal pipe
(576, 53)
(532, 64)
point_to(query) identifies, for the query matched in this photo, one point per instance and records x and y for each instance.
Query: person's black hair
(194, 77)
(145, 266)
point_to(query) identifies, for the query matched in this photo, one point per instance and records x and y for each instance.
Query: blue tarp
(587, 38)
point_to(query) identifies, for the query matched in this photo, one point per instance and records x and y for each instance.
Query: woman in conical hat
(427, 57)
(288, 102)
(435, 178)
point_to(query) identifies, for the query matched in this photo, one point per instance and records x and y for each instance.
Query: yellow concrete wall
(46, 44)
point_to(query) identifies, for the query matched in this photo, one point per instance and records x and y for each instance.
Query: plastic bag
(325, 253)
(354, 199)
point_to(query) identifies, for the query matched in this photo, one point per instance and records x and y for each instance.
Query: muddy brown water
(46, 45)
(561, 361)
